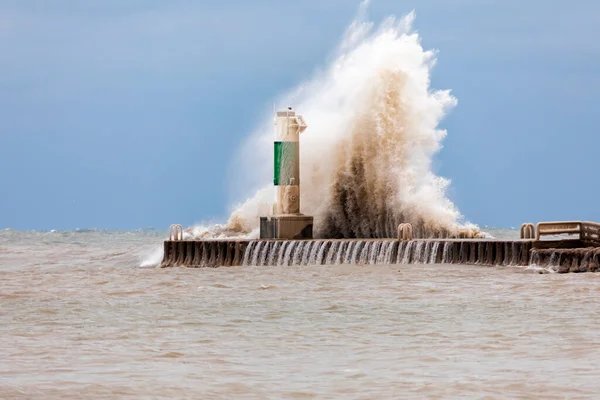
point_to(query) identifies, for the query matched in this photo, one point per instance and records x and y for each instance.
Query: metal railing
(557, 228)
(405, 232)
(527, 231)
(590, 232)
(176, 232)
(587, 231)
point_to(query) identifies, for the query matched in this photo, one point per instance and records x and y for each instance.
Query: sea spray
(366, 155)
(152, 258)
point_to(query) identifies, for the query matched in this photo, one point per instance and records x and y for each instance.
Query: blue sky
(126, 115)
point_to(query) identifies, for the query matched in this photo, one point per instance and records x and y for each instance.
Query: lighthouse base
(293, 226)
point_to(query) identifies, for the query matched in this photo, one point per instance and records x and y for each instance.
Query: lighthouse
(287, 222)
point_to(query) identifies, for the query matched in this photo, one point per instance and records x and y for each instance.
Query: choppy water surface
(80, 318)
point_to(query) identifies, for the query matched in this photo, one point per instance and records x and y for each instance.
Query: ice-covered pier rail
(572, 246)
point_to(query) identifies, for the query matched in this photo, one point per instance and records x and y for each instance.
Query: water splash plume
(366, 156)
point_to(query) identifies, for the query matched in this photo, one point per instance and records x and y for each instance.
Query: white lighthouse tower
(287, 222)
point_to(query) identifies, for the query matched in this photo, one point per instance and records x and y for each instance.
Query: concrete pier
(217, 253)
(579, 252)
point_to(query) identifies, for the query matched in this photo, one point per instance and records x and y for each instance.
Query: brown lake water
(79, 318)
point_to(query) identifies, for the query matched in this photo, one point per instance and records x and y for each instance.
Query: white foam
(367, 153)
(154, 258)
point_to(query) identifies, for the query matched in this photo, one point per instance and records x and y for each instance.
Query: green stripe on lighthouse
(286, 170)
(277, 168)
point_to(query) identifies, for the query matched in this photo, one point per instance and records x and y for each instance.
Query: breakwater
(568, 260)
(578, 252)
(216, 253)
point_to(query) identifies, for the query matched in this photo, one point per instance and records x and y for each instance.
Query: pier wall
(568, 260)
(578, 251)
(560, 256)
(218, 253)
